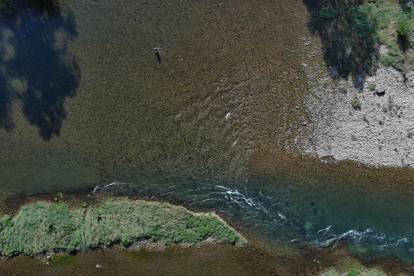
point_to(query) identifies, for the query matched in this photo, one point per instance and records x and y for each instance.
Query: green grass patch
(46, 227)
(356, 103)
(354, 272)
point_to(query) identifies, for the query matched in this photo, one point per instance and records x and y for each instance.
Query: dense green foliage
(394, 28)
(352, 32)
(349, 38)
(43, 227)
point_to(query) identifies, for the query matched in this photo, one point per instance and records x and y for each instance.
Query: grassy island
(44, 227)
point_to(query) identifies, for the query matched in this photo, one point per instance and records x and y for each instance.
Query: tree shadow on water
(36, 67)
(349, 37)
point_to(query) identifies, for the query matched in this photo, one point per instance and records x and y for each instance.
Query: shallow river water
(86, 103)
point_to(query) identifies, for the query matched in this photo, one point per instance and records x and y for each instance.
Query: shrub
(327, 13)
(356, 103)
(354, 272)
(404, 28)
(372, 86)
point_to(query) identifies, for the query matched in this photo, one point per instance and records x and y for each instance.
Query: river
(209, 126)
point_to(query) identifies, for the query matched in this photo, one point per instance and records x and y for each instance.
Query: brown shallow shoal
(206, 260)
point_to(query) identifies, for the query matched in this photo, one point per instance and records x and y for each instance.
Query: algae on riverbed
(45, 227)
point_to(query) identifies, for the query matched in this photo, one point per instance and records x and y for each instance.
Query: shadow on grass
(405, 27)
(36, 67)
(349, 37)
(406, 5)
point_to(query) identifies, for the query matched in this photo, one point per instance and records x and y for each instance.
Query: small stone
(235, 143)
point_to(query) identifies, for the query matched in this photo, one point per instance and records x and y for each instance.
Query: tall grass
(44, 227)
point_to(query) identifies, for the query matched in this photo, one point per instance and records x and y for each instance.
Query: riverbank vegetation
(357, 35)
(44, 227)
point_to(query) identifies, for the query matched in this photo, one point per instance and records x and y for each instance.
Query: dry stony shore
(379, 133)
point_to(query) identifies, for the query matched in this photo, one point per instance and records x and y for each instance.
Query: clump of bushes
(327, 13)
(46, 227)
(405, 27)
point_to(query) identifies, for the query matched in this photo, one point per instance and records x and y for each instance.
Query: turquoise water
(285, 209)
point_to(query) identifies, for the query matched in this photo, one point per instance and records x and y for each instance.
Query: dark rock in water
(157, 54)
(380, 93)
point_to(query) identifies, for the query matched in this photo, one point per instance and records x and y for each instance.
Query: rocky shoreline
(372, 124)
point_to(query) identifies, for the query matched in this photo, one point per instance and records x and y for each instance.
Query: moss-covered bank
(46, 226)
